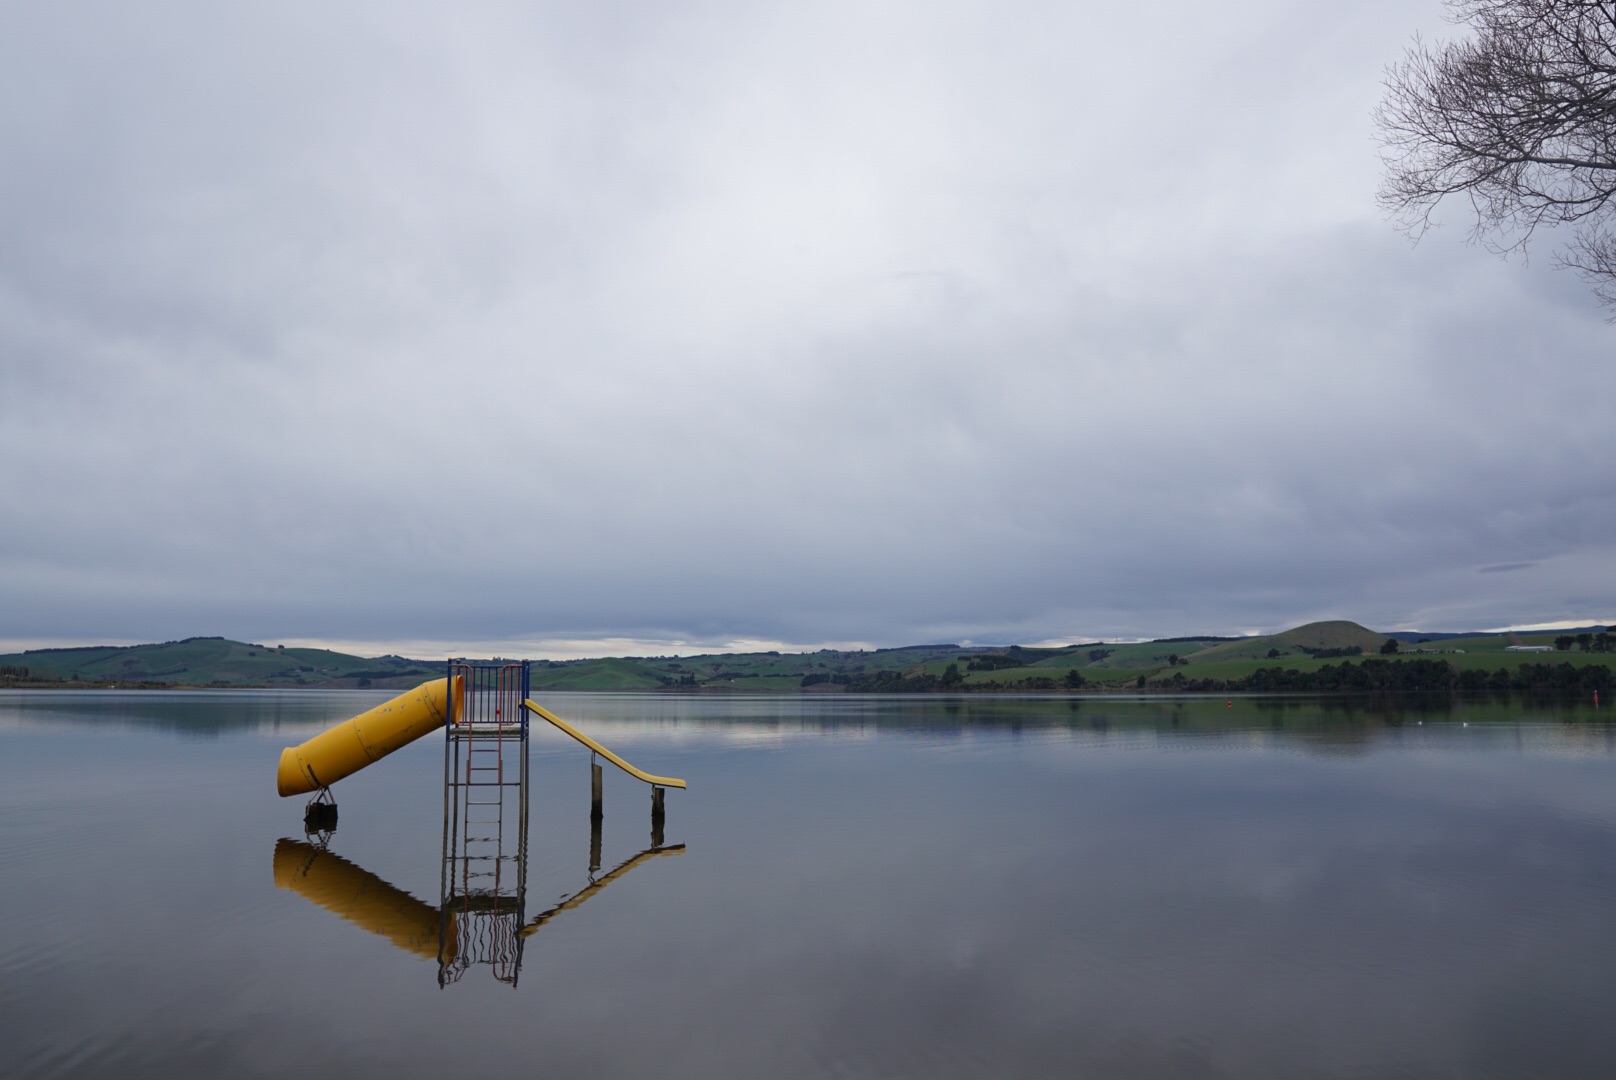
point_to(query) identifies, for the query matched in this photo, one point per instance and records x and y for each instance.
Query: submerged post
(657, 816)
(595, 787)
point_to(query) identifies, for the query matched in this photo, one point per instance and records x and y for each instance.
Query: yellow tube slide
(370, 736)
(362, 898)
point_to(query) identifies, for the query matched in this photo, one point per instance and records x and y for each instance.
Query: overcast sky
(558, 329)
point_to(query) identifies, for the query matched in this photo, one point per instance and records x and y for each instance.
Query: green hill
(612, 673)
(1119, 666)
(1301, 641)
(212, 661)
(1141, 654)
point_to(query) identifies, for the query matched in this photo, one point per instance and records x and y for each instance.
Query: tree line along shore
(1325, 657)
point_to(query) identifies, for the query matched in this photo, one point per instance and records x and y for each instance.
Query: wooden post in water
(657, 816)
(594, 845)
(596, 813)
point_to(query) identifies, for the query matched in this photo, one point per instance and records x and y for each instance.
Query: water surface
(867, 887)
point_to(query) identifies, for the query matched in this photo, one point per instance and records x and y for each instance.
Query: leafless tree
(1519, 117)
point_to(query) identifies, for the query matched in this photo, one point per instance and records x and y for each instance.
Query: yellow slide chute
(371, 736)
(368, 737)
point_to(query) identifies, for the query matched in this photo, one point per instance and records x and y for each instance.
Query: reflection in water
(375, 904)
(597, 884)
(359, 896)
(1092, 892)
(483, 885)
(213, 714)
(481, 916)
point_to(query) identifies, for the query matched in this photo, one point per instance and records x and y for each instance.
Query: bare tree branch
(1519, 118)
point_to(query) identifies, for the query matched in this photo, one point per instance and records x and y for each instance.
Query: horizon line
(600, 648)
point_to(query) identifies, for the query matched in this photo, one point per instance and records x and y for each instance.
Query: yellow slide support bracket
(655, 781)
(368, 737)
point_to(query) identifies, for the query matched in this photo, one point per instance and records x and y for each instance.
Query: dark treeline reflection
(207, 713)
(203, 713)
(1343, 716)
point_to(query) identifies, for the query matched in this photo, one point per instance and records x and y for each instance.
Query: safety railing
(487, 698)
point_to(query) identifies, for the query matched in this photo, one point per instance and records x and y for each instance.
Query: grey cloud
(801, 325)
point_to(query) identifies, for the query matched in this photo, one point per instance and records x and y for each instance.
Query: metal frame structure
(483, 887)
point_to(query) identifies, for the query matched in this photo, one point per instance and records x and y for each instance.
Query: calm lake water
(867, 887)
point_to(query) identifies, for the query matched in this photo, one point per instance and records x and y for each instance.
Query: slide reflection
(358, 896)
(353, 893)
(597, 884)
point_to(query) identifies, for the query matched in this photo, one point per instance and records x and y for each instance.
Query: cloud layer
(701, 322)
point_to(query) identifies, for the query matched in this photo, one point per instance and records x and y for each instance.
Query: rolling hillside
(1093, 666)
(1301, 641)
(212, 661)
